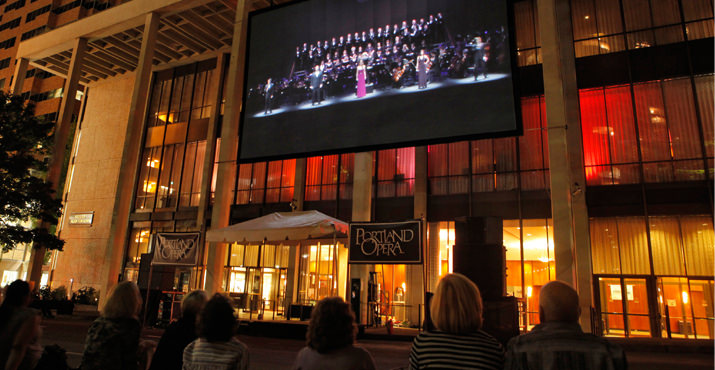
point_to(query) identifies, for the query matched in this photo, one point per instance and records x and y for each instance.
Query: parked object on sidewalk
(558, 342)
(19, 329)
(170, 351)
(216, 348)
(113, 339)
(330, 337)
(459, 341)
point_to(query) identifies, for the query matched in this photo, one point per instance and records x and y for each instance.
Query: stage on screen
(326, 76)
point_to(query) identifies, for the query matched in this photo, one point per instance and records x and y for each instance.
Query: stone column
(417, 274)
(18, 79)
(220, 214)
(362, 212)
(216, 96)
(293, 274)
(128, 170)
(62, 133)
(568, 183)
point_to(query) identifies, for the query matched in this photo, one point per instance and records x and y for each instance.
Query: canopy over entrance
(281, 227)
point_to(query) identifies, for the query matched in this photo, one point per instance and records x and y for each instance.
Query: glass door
(686, 306)
(637, 310)
(611, 301)
(624, 306)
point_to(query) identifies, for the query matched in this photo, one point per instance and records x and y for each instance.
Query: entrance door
(624, 306)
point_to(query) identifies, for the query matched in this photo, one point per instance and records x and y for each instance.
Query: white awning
(281, 227)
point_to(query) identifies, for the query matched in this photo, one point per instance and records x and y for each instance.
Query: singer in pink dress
(361, 77)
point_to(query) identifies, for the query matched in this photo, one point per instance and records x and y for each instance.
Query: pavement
(390, 352)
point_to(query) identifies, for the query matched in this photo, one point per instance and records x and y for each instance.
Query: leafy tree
(25, 197)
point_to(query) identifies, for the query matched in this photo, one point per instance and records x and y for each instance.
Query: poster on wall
(385, 243)
(176, 249)
(333, 76)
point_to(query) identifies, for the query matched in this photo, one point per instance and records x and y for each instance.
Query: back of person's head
(217, 322)
(124, 302)
(17, 293)
(193, 302)
(457, 305)
(558, 301)
(332, 325)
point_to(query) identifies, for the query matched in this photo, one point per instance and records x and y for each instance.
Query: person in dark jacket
(113, 339)
(170, 351)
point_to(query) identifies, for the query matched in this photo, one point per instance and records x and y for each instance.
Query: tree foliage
(25, 197)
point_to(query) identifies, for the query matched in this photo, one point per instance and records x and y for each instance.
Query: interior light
(685, 297)
(529, 290)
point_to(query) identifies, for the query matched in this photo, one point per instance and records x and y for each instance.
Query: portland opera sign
(177, 249)
(385, 243)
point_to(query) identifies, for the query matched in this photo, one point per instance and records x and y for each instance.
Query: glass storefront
(676, 299)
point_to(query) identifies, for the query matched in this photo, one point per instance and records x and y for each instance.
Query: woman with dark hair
(179, 334)
(19, 329)
(330, 338)
(216, 348)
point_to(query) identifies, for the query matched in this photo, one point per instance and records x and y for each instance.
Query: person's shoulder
(237, 344)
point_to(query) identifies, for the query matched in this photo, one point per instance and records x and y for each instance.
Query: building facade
(629, 221)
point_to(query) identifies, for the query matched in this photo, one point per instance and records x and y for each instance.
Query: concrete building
(613, 193)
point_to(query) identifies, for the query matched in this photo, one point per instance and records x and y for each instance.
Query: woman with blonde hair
(459, 341)
(113, 338)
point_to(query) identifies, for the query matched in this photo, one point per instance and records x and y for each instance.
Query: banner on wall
(176, 249)
(385, 243)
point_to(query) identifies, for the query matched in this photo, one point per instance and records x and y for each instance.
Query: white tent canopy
(280, 227)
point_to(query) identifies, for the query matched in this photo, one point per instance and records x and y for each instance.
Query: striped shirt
(203, 355)
(439, 350)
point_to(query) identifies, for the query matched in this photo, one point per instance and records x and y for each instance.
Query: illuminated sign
(385, 243)
(176, 249)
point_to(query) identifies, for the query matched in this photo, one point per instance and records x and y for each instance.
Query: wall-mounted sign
(176, 249)
(81, 218)
(385, 243)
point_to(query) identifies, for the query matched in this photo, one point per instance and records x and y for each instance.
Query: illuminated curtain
(459, 167)
(604, 246)
(482, 166)
(531, 145)
(347, 170)
(666, 246)
(329, 178)
(404, 171)
(287, 180)
(596, 137)
(437, 169)
(527, 33)
(505, 163)
(698, 243)
(273, 181)
(312, 178)
(633, 245)
(623, 139)
(704, 90)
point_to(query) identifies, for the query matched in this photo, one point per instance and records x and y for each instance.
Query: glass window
(395, 172)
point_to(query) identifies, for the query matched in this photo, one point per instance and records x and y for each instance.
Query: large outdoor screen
(329, 76)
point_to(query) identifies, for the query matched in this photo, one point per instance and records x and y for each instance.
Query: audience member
(19, 329)
(169, 353)
(113, 338)
(459, 341)
(216, 348)
(558, 342)
(330, 338)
